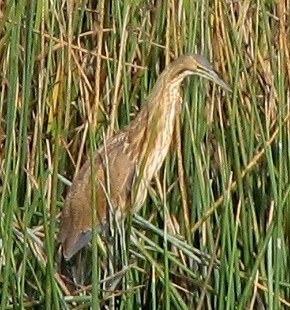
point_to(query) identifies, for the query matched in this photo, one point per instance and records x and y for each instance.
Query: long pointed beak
(213, 76)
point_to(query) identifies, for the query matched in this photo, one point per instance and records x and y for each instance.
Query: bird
(127, 161)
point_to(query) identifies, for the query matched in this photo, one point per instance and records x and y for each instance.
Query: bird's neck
(149, 135)
(154, 126)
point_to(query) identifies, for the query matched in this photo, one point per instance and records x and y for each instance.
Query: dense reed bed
(214, 231)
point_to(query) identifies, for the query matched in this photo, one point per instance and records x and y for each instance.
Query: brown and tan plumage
(127, 162)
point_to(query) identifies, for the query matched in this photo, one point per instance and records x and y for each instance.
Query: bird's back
(114, 173)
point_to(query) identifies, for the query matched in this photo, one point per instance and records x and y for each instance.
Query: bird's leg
(78, 267)
(116, 242)
(110, 237)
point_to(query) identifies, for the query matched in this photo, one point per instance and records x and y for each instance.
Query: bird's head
(194, 64)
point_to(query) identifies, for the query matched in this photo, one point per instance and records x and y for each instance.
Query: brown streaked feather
(127, 162)
(76, 221)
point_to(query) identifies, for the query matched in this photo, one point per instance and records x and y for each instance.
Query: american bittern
(127, 162)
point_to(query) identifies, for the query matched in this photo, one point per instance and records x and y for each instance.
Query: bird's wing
(76, 220)
(114, 175)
